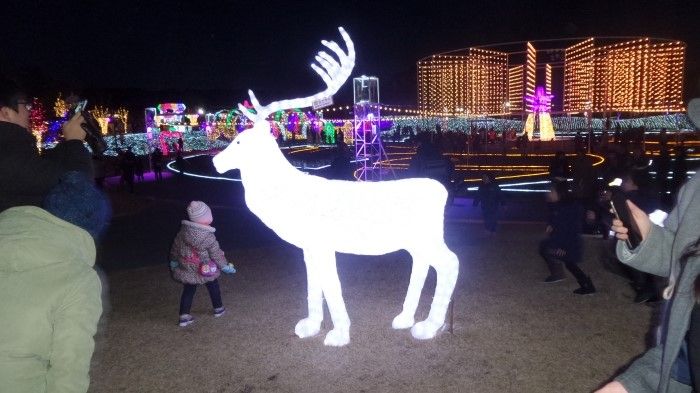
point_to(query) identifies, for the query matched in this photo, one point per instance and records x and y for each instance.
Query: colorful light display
(341, 226)
(37, 121)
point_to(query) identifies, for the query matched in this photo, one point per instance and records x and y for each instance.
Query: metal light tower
(368, 143)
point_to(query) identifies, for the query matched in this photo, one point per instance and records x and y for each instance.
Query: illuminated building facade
(471, 84)
(516, 88)
(530, 74)
(639, 76)
(600, 75)
(579, 76)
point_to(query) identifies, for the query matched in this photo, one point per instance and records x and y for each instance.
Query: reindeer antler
(333, 73)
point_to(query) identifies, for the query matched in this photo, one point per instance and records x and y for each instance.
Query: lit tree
(101, 114)
(37, 121)
(60, 106)
(123, 114)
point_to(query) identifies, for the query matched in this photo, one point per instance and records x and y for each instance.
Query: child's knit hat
(199, 212)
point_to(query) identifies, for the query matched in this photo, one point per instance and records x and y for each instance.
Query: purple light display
(541, 102)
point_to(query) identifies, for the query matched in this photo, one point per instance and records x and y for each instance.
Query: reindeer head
(249, 143)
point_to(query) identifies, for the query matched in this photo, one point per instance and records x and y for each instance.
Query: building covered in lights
(605, 75)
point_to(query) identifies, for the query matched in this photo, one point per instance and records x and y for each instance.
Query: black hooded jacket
(25, 175)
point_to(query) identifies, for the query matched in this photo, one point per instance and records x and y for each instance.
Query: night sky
(215, 50)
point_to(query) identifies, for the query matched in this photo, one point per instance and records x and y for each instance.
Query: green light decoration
(329, 132)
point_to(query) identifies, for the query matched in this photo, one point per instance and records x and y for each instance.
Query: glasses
(27, 105)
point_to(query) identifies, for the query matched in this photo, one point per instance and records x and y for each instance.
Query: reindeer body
(365, 218)
(345, 213)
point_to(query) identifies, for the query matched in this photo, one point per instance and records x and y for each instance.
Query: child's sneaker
(186, 319)
(219, 311)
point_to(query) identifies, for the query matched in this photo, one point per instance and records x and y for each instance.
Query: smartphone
(80, 107)
(618, 203)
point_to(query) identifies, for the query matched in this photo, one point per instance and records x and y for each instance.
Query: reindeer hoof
(425, 330)
(337, 338)
(307, 327)
(403, 321)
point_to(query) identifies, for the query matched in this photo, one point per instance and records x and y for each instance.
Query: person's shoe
(186, 319)
(219, 311)
(587, 287)
(585, 291)
(554, 278)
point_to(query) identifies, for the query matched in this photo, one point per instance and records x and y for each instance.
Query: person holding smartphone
(673, 365)
(25, 175)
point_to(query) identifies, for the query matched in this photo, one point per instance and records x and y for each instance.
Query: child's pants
(188, 294)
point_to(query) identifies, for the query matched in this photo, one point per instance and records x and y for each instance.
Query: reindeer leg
(311, 325)
(415, 286)
(340, 334)
(447, 268)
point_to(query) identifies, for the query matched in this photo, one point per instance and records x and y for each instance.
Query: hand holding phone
(91, 132)
(80, 107)
(619, 208)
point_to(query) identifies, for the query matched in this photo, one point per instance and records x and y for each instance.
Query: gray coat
(659, 254)
(193, 244)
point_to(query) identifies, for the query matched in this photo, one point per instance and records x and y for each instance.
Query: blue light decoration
(53, 132)
(141, 144)
(565, 125)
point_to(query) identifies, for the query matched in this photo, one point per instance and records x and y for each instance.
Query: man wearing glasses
(25, 175)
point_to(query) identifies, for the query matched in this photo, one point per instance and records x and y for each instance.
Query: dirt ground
(512, 333)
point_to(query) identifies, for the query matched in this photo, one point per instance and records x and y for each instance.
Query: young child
(195, 245)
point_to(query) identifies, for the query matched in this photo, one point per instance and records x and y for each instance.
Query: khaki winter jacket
(50, 303)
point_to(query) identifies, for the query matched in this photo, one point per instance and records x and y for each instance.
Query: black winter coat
(25, 175)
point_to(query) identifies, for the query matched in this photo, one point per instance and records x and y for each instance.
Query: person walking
(196, 259)
(564, 244)
(489, 197)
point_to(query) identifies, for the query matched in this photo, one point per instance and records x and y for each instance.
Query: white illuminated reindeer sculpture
(323, 216)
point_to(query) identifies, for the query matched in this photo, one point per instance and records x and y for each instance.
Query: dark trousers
(554, 263)
(490, 219)
(188, 294)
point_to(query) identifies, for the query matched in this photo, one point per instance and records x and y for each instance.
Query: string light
(60, 107)
(101, 114)
(37, 121)
(123, 114)
(642, 75)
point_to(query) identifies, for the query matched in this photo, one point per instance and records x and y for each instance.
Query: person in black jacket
(25, 175)
(489, 196)
(564, 243)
